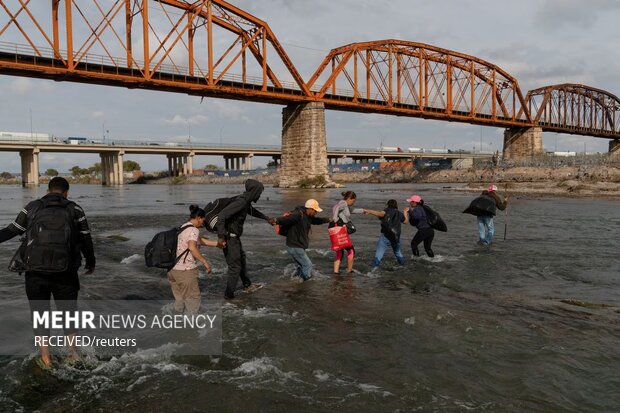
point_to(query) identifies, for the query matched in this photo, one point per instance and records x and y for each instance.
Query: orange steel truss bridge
(214, 49)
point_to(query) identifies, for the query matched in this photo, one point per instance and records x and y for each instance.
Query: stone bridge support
(522, 142)
(614, 148)
(112, 172)
(304, 143)
(30, 167)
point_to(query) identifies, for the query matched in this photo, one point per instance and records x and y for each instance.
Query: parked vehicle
(76, 140)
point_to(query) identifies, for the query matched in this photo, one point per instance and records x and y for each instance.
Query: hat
(414, 198)
(492, 188)
(313, 204)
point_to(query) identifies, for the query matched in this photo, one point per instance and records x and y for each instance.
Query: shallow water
(473, 329)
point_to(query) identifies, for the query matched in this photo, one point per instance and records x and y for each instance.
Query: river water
(531, 324)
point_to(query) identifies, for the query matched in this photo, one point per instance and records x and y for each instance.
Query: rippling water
(471, 330)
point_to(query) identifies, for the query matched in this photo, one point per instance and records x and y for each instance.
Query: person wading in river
(341, 216)
(229, 230)
(57, 235)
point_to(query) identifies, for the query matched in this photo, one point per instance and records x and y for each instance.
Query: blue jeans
(304, 265)
(486, 229)
(382, 245)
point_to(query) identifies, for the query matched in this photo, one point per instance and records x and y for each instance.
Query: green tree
(95, 169)
(131, 166)
(6, 175)
(51, 172)
(212, 167)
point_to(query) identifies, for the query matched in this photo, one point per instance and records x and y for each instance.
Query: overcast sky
(540, 42)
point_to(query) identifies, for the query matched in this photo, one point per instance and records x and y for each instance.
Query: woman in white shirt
(183, 276)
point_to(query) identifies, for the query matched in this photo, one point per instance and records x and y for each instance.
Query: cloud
(554, 14)
(184, 120)
(97, 114)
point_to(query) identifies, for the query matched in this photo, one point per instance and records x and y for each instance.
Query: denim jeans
(382, 245)
(486, 229)
(304, 265)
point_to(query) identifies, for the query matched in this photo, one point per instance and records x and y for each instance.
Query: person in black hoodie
(229, 230)
(52, 267)
(298, 225)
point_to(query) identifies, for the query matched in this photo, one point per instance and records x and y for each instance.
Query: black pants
(235, 258)
(40, 287)
(426, 235)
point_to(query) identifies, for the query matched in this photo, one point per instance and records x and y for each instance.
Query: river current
(530, 324)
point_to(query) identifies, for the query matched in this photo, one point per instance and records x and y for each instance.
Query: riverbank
(570, 181)
(594, 181)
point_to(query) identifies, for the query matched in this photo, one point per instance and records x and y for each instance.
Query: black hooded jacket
(231, 219)
(298, 235)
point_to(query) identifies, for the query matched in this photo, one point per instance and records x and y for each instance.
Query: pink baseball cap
(414, 198)
(492, 188)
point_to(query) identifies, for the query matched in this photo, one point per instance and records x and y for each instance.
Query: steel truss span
(415, 79)
(576, 109)
(206, 48)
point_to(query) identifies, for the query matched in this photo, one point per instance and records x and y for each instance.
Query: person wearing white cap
(416, 216)
(490, 200)
(297, 226)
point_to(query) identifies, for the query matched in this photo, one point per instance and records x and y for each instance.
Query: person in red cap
(486, 227)
(416, 216)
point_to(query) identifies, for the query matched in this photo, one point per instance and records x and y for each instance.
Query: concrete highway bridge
(180, 156)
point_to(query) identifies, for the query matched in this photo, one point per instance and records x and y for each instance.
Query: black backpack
(434, 219)
(161, 252)
(49, 245)
(390, 225)
(212, 210)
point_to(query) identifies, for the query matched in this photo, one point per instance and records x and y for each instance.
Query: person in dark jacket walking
(486, 227)
(416, 216)
(57, 235)
(298, 225)
(229, 230)
(391, 219)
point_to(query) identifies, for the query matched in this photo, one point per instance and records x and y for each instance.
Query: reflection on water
(517, 327)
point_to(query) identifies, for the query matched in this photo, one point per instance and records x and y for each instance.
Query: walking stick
(505, 210)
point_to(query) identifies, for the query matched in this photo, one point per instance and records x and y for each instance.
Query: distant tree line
(128, 166)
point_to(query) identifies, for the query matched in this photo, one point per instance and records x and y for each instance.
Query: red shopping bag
(340, 238)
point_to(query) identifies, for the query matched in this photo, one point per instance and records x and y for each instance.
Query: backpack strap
(185, 253)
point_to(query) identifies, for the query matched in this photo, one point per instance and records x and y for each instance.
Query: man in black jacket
(229, 230)
(297, 225)
(52, 268)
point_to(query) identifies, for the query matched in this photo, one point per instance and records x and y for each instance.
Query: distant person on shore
(56, 237)
(183, 276)
(416, 216)
(484, 208)
(341, 216)
(229, 230)
(391, 220)
(297, 226)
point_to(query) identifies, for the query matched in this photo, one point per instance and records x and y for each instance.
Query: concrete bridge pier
(180, 165)
(112, 172)
(522, 142)
(614, 147)
(30, 167)
(304, 143)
